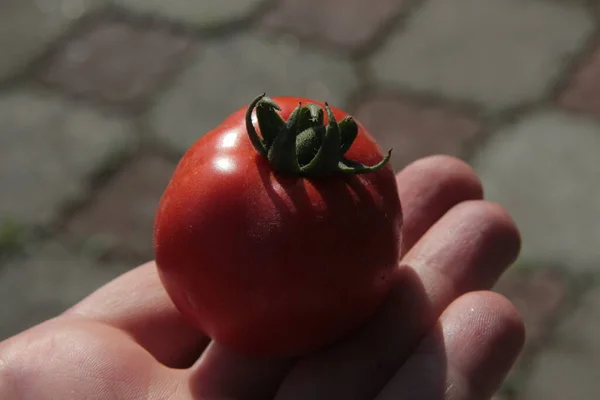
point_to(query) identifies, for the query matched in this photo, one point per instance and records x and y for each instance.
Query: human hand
(440, 335)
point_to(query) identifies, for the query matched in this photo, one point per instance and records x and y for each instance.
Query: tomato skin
(275, 265)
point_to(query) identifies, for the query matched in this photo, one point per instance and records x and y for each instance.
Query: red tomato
(270, 260)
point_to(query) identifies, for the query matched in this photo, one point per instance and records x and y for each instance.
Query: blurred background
(100, 98)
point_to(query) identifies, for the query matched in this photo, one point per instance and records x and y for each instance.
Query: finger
(223, 374)
(76, 358)
(137, 304)
(428, 188)
(466, 250)
(466, 355)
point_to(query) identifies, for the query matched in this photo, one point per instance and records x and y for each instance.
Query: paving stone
(415, 131)
(583, 91)
(201, 13)
(593, 5)
(569, 370)
(117, 61)
(539, 294)
(121, 217)
(232, 71)
(48, 149)
(466, 49)
(28, 26)
(544, 170)
(46, 283)
(349, 25)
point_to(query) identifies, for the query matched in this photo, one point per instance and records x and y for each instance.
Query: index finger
(137, 303)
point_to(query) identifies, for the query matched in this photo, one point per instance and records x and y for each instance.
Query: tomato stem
(269, 122)
(302, 145)
(257, 142)
(282, 154)
(349, 131)
(328, 155)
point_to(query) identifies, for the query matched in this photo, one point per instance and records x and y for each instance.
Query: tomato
(268, 251)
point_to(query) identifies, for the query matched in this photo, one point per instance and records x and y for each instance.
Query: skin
(440, 335)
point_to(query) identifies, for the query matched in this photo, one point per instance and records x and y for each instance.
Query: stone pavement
(99, 98)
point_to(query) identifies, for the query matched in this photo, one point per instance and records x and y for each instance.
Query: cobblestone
(27, 27)
(541, 170)
(349, 25)
(414, 130)
(538, 292)
(117, 61)
(46, 283)
(570, 368)
(48, 150)
(121, 217)
(583, 92)
(465, 49)
(201, 13)
(230, 72)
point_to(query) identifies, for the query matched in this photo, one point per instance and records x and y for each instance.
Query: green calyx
(303, 145)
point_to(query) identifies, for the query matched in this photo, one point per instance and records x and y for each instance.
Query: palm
(436, 337)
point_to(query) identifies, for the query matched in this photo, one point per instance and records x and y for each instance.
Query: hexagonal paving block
(28, 26)
(500, 53)
(48, 149)
(202, 13)
(545, 170)
(569, 369)
(414, 131)
(117, 61)
(583, 91)
(46, 283)
(349, 24)
(538, 293)
(591, 4)
(120, 218)
(231, 72)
